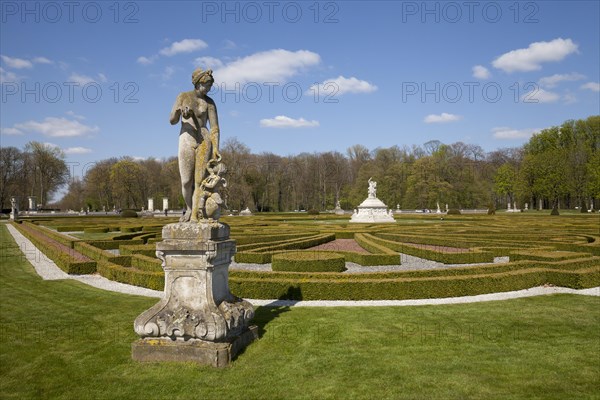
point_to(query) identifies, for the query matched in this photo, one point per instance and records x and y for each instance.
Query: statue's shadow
(264, 315)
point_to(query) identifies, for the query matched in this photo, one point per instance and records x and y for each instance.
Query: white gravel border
(48, 270)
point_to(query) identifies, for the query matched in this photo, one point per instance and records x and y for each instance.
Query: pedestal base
(198, 319)
(215, 354)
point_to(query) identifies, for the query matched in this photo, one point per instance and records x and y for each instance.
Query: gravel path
(48, 270)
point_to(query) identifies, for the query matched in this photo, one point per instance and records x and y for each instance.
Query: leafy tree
(48, 168)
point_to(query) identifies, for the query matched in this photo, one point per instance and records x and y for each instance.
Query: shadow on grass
(270, 312)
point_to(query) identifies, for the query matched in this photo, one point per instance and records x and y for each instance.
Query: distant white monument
(246, 212)
(372, 210)
(14, 208)
(150, 204)
(32, 204)
(438, 211)
(338, 209)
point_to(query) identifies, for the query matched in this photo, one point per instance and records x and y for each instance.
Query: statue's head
(202, 79)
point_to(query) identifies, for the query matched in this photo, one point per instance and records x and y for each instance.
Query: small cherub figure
(207, 196)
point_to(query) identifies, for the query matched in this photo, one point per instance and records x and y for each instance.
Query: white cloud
(481, 72)
(80, 79)
(57, 127)
(84, 79)
(281, 121)
(146, 60)
(208, 62)
(77, 150)
(42, 60)
(593, 86)
(552, 81)
(7, 76)
(540, 95)
(184, 46)
(342, 85)
(531, 58)
(16, 63)
(10, 131)
(441, 118)
(276, 65)
(509, 133)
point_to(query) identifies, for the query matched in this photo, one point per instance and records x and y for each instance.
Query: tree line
(558, 167)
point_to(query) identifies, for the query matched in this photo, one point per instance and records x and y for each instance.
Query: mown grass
(66, 340)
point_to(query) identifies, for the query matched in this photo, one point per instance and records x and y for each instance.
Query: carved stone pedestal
(198, 318)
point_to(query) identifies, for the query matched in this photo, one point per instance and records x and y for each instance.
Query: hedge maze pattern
(561, 251)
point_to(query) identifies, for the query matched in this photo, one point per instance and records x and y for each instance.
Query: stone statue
(372, 188)
(198, 147)
(198, 319)
(14, 208)
(207, 196)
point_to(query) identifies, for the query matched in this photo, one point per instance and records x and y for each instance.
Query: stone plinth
(198, 318)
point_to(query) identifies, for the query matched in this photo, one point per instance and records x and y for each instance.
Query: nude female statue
(197, 145)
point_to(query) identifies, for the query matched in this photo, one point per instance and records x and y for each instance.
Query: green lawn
(63, 339)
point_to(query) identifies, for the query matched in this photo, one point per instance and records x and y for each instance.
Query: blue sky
(98, 79)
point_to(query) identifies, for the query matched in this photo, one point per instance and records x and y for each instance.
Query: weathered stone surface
(202, 231)
(200, 165)
(216, 354)
(197, 305)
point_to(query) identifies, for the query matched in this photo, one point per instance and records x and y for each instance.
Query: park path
(48, 270)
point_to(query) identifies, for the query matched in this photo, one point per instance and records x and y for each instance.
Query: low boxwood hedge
(471, 256)
(102, 229)
(132, 276)
(66, 258)
(145, 249)
(125, 229)
(308, 261)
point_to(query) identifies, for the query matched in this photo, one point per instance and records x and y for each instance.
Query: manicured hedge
(308, 261)
(399, 289)
(132, 276)
(69, 228)
(66, 240)
(253, 239)
(125, 229)
(145, 249)
(145, 263)
(469, 257)
(113, 244)
(67, 259)
(543, 255)
(96, 230)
